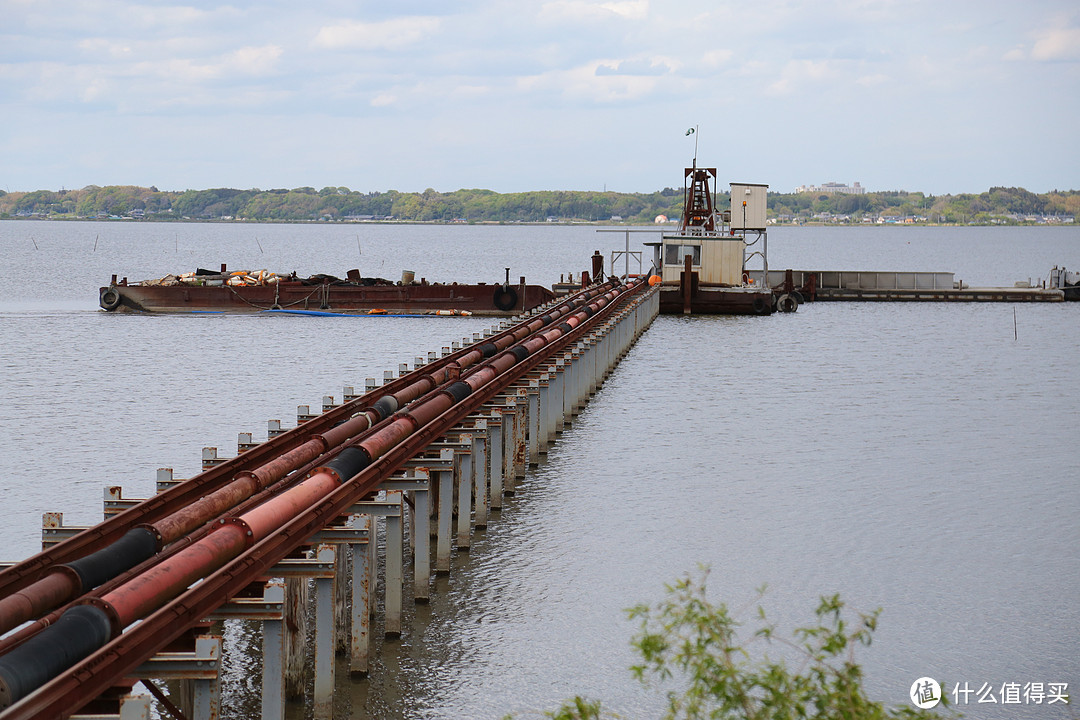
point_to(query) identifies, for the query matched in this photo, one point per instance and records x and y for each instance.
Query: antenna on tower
(693, 131)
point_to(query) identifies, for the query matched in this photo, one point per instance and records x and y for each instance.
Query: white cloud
(717, 57)
(585, 83)
(254, 60)
(872, 80)
(386, 35)
(797, 73)
(1056, 45)
(383, 100)
(636, 66)
(103, 46)
(581, 10)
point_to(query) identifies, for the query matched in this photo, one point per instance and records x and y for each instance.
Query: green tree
(701, 646)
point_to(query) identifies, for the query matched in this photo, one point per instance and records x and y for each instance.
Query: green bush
(687, 641)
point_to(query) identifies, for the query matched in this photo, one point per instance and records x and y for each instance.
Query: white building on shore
(832, 187)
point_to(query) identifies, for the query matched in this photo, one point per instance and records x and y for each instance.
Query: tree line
(998, 204)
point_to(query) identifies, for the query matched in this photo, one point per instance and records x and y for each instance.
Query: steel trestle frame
(87, 678)
(171, 514)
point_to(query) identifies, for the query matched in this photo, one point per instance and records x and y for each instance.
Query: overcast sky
(942, 96)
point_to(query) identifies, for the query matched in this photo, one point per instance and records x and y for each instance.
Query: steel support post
(541, 417)
(444, 478)
(463, 472)
(552, 406)
(496, 464)
(480, 472)
(418, 486)
(363, 581)
(532, 423)
(510, 428)
(558, 419)
(273, 670)
(422, 544)
(569, 367)
(395, 577)
(325, 647)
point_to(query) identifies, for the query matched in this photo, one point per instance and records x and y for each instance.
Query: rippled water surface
(920, 458)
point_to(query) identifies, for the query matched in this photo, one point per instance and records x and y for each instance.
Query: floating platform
(853, 285)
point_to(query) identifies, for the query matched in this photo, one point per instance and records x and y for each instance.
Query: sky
(937, 96)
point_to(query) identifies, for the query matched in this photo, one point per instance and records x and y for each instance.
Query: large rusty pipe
(51, 591)
(17, 638)
(151, 589)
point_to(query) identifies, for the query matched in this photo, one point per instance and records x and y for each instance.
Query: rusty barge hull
(413, 299)
(715, 301)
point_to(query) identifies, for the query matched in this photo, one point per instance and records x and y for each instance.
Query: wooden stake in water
(358, 249)
(258, 243)
(95, 242)
(1015, 334)
(35, 242)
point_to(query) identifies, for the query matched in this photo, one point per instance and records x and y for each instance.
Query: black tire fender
(110, 298)
(760, 306)
(787, 304)
(505, 298)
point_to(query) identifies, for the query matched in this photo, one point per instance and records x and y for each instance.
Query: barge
(224, 291)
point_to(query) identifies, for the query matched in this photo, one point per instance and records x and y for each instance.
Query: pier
(896, 286)
(413, 466)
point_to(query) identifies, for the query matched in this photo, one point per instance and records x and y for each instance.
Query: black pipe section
(459, 391)
(488, 349)
(349, 462)
(136, 545)
(565, 328)
(385, 406)
(75, 635)
(520, 352)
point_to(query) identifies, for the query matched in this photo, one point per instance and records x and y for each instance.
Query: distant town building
(832, 187)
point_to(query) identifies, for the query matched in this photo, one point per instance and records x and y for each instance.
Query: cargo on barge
(224, 291)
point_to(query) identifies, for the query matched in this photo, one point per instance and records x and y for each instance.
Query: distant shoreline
(666, 227)
(996, 206)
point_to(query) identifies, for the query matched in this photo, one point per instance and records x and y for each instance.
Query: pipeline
(22, 574)
(60, 584)
(15, 639)
(233, 536)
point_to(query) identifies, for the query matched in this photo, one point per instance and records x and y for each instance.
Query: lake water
(919, 457)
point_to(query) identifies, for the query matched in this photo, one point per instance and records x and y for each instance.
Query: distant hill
(998, 205)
